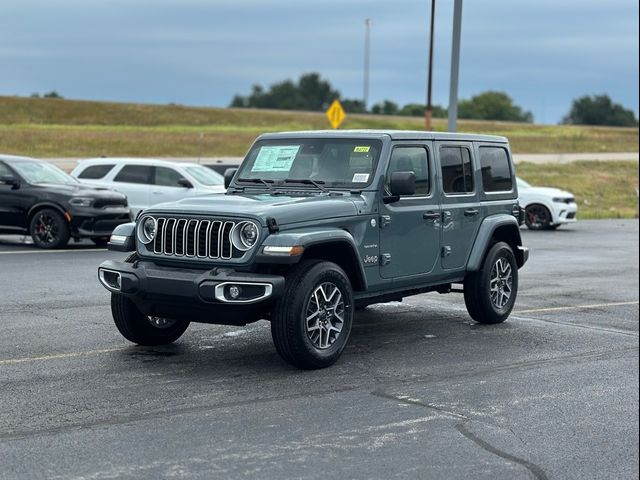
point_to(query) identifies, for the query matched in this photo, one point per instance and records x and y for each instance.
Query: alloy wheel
(324, 315)
(501, 283)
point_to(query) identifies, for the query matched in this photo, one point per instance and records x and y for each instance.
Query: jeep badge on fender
(315, 225)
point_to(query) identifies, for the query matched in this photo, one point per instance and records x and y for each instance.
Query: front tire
(49, 229)
(538, 217)
(312, 320)
(139, 328)
(490, 293)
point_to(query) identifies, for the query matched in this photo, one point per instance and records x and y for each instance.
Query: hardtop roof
(392, 134)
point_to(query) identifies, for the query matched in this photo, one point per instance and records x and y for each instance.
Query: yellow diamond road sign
(335, 114)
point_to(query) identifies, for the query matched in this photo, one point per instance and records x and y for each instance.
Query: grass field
(68, 128)
(602, 189)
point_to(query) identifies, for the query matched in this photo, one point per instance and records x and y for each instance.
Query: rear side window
(457, 174)
(167, 177)
(411, 159)
(96, 171)
(135, 174)
(496, 170)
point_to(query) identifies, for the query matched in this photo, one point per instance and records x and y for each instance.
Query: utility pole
(428, 113)
(367, 54)
(455, 65)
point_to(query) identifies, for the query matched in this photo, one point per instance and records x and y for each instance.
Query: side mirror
(401, 183)
(10, 180)
(183, 182)
(228, 176)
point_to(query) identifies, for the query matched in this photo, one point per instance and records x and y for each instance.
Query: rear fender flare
(485, 234)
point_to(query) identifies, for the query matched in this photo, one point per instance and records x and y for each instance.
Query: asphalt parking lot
(421, 391)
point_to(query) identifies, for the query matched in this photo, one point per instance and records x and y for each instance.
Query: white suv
(546, 208)
(147, 182)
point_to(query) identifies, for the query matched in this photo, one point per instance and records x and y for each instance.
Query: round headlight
(245, 235)
(147, 229)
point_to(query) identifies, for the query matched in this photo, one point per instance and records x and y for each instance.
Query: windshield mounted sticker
(360, 178)
(361, 149)
(275, 158)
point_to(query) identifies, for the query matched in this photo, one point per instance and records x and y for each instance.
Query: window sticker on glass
(360, 178)
(275, 158)
(361, 149)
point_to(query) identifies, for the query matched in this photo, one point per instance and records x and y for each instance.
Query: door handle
(470, 212)
(431, 215)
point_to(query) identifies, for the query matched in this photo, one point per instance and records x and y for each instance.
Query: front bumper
(193, 294)
(564, 212)
(97, 222)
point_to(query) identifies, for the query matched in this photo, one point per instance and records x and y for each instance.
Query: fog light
(234, 291)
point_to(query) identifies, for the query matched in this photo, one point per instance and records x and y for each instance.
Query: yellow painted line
(576, 307)
(22, 252)
(58, 356)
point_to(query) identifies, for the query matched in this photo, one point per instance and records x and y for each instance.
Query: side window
(95, 171)
(411, 159)
(496, 171)
(135, 174)
(457, 173)
(4, 170)
(167, 177)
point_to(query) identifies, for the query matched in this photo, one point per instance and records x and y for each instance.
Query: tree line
(313, 93)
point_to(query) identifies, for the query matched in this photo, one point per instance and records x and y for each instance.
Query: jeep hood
(285, 209)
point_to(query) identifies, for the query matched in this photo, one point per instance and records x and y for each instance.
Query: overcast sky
(543, 53)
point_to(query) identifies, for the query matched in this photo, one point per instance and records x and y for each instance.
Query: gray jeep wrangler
(315, 225)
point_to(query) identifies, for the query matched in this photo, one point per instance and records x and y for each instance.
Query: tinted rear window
(135, 174)
(457, 174)
(496, 171)
(95, 171)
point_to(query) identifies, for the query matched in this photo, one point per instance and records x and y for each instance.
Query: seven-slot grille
(182, 237)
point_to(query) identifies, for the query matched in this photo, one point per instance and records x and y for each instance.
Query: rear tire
(491, 292)
(311, 322)
(139, 328)
(49, 229)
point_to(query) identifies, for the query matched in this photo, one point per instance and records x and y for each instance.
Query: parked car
(147, 182)
(39, 199)
(317, 224)
(546, 208)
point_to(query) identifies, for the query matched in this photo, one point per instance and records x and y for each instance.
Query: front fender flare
(309, 237)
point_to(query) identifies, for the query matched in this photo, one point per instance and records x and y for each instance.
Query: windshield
(522, 183)
(205, 175)
(349, 163)
(42, 172)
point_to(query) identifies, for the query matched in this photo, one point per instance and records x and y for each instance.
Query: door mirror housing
(9, 180)
(183, 182)
(401, 183)
(229, 173)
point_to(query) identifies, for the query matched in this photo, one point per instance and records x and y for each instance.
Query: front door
(13, 204)
(460, 209)
(410, 227)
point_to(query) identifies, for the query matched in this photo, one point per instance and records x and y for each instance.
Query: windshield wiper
(258, 180)
(307, 181)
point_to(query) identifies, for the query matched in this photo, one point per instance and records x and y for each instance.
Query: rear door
(410, 227)
(134, 180)
(459, 200)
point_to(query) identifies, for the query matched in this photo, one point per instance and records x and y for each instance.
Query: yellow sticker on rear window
(361, 149)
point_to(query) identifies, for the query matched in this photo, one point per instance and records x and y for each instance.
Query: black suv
(40, 199)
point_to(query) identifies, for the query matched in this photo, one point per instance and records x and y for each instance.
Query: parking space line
(575, 307)
(59, 356)
(23, 252)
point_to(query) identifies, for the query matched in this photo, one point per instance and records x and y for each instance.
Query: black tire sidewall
(545, 225)
(63, 234)
(305, 353)
(494, 314)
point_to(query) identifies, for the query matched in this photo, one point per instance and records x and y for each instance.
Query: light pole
(455, 65)
(367, 53)
(428, 113)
